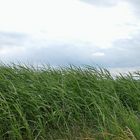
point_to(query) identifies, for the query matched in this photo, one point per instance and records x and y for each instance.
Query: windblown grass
(68, 103)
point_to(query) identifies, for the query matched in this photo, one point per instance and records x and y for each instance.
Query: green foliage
(69, 103)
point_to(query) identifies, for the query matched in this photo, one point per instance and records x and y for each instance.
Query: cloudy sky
(102, 33)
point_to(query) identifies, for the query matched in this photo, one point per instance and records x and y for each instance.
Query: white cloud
(98, 54)
(69, 31)
(68, 21)
(11, 51)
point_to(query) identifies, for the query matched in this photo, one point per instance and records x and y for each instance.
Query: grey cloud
(134, 2)
(12, 39)
(124, 53)
(40, 51)
(102, 2)
(59, 55)
(136, 6)
(107, 3)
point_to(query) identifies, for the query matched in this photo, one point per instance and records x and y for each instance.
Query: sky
(103, 33)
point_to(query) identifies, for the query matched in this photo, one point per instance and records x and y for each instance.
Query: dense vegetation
(68, 103)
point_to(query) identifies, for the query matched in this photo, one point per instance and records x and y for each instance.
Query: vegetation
(69, 103)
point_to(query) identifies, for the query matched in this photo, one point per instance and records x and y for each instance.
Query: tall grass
(69, 103)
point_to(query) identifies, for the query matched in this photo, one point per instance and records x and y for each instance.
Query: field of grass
(69, 103)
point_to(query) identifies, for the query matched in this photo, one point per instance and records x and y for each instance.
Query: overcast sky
(102, 33)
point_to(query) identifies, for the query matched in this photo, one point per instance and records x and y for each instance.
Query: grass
(69, 103)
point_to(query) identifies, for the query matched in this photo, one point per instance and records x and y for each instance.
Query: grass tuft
(71, 103)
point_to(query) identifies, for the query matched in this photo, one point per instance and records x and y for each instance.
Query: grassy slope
(68, 103)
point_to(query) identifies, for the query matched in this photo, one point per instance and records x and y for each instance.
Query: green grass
(69, 103)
